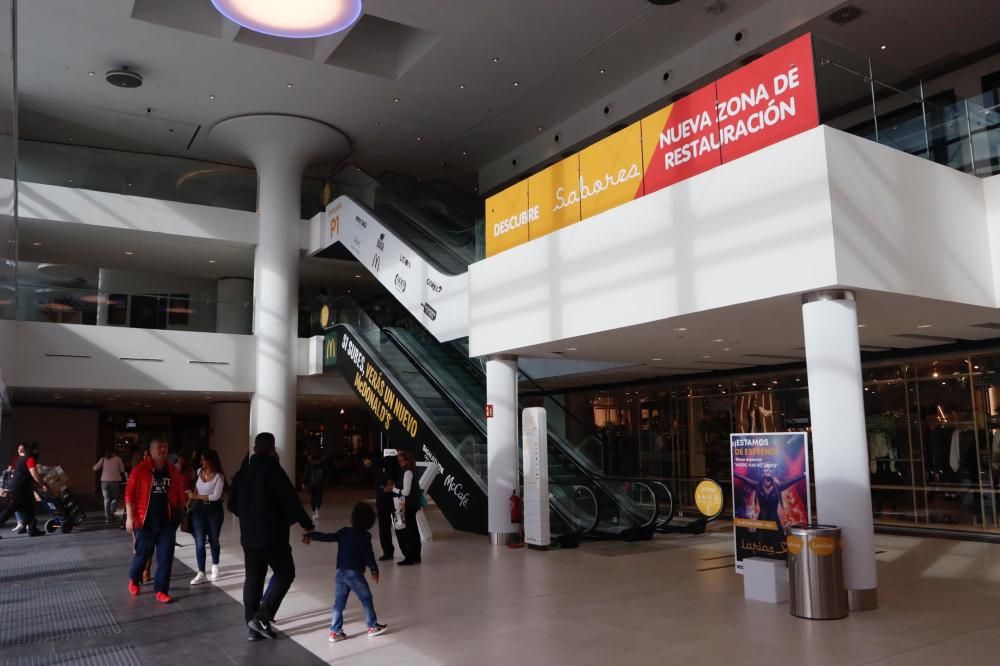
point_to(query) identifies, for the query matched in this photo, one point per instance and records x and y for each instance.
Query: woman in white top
(405, 492)
(112, 471)
(207, 513)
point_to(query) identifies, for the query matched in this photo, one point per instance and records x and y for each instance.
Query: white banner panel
(534, 438)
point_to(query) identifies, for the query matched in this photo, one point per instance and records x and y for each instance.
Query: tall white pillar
(280, 148)
(501, 443)
(233, 311)
(840, 449)
(229, 433)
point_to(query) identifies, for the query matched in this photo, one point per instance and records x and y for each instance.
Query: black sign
(434, 285)
(400, 283)
(454, 491)
(429, 311)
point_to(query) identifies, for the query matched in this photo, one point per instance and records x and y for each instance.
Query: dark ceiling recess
(124, 78)
(663, 2)
(846, 14)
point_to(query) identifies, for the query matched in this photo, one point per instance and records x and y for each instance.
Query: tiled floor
(663, 602)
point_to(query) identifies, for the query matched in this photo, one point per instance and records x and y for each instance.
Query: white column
(280, 147)
(229, 433)
(233, 311)
(501, 443)
(840, 450)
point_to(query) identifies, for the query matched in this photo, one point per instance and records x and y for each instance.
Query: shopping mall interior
(687, 312)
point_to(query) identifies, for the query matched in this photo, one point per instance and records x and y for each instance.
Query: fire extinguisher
(517, 515)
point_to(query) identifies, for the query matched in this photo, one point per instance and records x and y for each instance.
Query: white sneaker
(199, 579)
(214, 573)
(315, 515)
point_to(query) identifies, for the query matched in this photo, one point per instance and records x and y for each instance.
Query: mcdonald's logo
(330, 350)
(335, 225)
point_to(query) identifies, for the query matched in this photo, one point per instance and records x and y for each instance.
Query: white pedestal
(765, 580)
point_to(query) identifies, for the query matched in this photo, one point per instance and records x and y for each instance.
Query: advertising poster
(611, 171)
(507, 218)
(770, 492)
(556, 193)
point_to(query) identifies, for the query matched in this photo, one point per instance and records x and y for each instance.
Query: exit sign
(489, 411)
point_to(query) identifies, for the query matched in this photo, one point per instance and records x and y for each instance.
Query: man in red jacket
(154, 504)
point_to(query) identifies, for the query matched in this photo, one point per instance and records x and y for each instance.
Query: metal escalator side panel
(457, 490)
(439, 301)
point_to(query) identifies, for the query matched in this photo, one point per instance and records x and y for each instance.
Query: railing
(174, 311)
(865, 97)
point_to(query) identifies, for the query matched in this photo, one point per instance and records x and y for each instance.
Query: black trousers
(257, 561)
(383, 509)
(23, 502)
(409, 536)
(316, 497)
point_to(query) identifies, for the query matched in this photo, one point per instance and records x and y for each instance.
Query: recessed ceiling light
(37, 243)
(211, 261)
(539, 128)
(70, 139)
(496, 59)
(603, 71)
(727, 349)
(90, 74)
(357, 276)
(862, 325)
(378, 124)
(419, 139)
(657, 358)
(570, 348)
(706, 356)
(517, 83)
(883, 47)
(395, 99)
(129, 253)
(718, 340)
(308, 19)
(461, 86)
(680, 329)
(923, 325)
(464, 153)
(289, 85)
(211, 96)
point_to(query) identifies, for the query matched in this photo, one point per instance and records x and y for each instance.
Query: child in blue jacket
(354, 554)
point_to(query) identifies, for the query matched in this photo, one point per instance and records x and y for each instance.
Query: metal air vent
(846, 14)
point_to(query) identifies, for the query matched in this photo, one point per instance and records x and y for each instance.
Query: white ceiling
(761, 333)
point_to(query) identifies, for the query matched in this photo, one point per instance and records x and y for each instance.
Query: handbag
(187, 520)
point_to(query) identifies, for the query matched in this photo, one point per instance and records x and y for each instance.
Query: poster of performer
(770, 491)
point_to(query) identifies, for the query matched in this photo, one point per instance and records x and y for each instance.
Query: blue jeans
(206, 523)
(159, 538)
(351, 581)
(110, 491)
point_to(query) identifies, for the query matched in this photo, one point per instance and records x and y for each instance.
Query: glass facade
(933, 429)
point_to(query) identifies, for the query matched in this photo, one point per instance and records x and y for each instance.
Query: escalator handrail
(401, 389)
(554, 503)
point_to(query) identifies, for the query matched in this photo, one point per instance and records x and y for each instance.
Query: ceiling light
(706, 356)
(570, 348)
(298, 19)
(539, 128)
(37, 244)
(71, 139)
(923, 325)
(129, 253)
(464, 153)
(862, 325)
(517, 83)
(419, 139)
(341, 410)
(289, 85)
(496, 59)
(211, 261)
(603, 71)
(718, 340)
(357, 276)
(461, 86)
(727, 349)
(657, 358)
(378, 124)
(211, 96)
(90, 74)
(883, 47)
(680, 329)
(395, 99)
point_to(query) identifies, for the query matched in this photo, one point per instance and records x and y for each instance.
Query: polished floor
(674, 600)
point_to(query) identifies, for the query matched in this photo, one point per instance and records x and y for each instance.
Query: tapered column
(501, 443)
(840, 449)
(280, 148)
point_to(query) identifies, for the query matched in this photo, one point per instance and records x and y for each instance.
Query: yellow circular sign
(708, 498)
(324, 316)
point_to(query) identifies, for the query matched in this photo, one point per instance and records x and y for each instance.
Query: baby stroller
(66, 512)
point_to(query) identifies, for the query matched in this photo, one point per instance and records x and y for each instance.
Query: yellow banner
(611, 171)
(507, 218)
(556, 193)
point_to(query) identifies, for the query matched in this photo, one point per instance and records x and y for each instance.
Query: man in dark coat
(264, 499)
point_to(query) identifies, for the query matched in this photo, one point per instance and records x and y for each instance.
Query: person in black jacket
(264, 499)
(386, 469)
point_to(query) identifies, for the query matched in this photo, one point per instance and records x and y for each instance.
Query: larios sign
(767, 101)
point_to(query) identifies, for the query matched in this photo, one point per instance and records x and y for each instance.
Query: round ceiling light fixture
(297, 19)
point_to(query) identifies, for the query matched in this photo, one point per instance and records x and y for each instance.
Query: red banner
(680, 141)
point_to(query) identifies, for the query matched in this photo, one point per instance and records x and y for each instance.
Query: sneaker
(214, 574)
(20, 529)
(254, 636)
(336, 638)
(377, 629)
(163, 597)
(316, 514)
(133, 588)
(262, 627)
(199, 578)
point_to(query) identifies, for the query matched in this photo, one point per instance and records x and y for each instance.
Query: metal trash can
(815, 572)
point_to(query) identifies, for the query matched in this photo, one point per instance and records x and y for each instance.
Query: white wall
(991, 199)
(752, 229)
(96, 357)
(66, 204)
(907, 225)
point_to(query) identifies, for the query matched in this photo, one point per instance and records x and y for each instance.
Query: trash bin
(815, 572)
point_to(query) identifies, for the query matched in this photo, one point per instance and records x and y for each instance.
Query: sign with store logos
(770, 492)
(769, 100)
